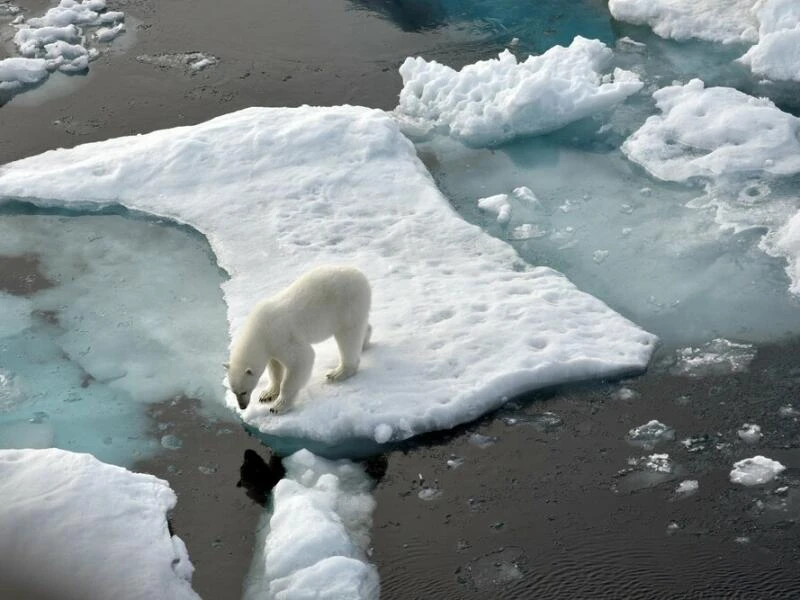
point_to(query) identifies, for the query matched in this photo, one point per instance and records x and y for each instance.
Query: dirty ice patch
(725, 21)
(757, 470)
(493, 101)
(459, 324)
(316, 540)
(74, 527)
(777, 54)
(708, 132)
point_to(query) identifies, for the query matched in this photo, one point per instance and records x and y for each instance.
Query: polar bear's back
(323, 301)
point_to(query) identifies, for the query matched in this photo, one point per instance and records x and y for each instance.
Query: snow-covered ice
(724, 21)
(757, 470)
(497, 204)
(708, 132)
(74, 527)
(315, 541)
(493, 101)
(459, 324)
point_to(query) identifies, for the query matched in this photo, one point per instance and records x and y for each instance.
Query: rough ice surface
(58, 40)
(724, 21)
(459, 325)
(74, 527)
(707, 132)
(750, 433)
(493, 101)
(717, 357)
(650, 434)
(757, 470)
(88, 344)
(317, 536)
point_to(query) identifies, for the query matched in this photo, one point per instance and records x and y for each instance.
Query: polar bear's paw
(341, 372)
(268, 395)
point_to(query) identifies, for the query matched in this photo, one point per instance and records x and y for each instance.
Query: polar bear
(278, 333)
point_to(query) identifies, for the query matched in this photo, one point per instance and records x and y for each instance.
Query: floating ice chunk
(107, 34)
(483, 329)
(383, 433)
(69, 58)
(497, 204)
(658, 463)
(171, 442)
(482, 441)
(493, 101)
(526, 194)
(18, 72)
(192, 61)
(725, 21)
(687, 487)
(32, 41)
(429, 493)
(717, 357)
(12, 392)
(527, 231)
(454, 462)
(625, 393)
(650, 434)
(777, 53)
(788, 411)
(750, 433)
(62, 535)
(707, 132)
(755, 471)
(319, 533)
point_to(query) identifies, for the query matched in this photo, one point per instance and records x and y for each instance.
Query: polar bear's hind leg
(350, 341)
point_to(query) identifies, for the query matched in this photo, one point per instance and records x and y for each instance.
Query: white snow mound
(708, 132)
(492, 101)
(74, 527)
(458, 324)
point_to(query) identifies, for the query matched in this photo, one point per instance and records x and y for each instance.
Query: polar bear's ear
(227, 365)
(249, 371)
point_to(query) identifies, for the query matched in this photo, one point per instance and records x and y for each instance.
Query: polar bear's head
(242, 381)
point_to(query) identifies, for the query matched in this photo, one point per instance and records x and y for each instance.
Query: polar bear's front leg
(275, 371)
(297, 372)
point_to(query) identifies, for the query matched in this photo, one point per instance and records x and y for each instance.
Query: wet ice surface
(85, 340)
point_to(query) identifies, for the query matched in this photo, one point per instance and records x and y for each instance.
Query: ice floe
(317, 536)
(777, 53)
(708, 132)
(459, 325)
(650, 434)
(757, 470)
(74, 527)
(724, 21)
(493, 101)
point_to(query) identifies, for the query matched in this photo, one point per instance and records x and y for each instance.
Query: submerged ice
(100, 316)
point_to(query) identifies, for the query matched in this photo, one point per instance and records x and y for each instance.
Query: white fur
(278, 333)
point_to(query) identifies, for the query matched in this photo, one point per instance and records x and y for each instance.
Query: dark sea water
(538, 500)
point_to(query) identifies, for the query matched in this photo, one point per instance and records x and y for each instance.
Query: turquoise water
(103, 315)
